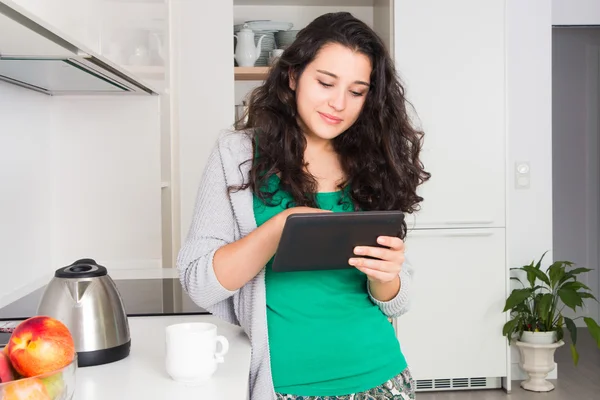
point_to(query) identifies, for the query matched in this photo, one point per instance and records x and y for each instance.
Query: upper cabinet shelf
(251, 73)
(323, 3)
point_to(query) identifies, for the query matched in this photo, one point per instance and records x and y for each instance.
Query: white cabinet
(131, 33)
(454, 326)
(78, 19)
(451, 55)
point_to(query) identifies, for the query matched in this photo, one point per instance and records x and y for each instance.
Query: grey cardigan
(220, 218)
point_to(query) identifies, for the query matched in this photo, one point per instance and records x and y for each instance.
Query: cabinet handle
(445, 233)
(454, 223)
(472, 222)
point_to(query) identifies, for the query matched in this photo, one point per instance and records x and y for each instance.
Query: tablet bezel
(315, 229)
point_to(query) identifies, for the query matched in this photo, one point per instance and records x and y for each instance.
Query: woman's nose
(338, 100)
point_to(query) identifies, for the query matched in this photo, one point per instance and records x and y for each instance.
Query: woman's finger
(377, 252)
(380, 265)
(392, 242)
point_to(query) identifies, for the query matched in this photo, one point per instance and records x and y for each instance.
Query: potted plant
(537, 322)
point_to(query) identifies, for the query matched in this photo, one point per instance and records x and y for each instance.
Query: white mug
(191, 351)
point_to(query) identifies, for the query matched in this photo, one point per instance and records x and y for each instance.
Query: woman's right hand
(235, 264)
(297, 210)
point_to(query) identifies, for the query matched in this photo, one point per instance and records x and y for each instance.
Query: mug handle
(224, 348)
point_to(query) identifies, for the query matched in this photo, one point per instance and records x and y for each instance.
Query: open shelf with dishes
(278, 22)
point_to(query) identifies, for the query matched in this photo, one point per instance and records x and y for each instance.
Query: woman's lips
(330, 119)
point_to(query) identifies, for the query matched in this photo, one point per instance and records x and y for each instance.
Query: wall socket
(522, 176)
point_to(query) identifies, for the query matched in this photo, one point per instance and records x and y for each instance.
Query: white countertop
(142, 375)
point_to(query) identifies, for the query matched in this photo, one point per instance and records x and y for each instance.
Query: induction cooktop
(141, 297)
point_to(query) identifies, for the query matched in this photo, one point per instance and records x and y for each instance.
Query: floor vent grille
(478, 382)
(460, 383)
(442, 383)
(457, 384)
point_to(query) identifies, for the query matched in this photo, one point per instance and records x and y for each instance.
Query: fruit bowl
(55, 385)
(39, 361)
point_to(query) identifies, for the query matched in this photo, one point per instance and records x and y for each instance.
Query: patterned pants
(400, 387)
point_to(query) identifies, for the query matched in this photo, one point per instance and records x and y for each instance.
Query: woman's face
(331, 91)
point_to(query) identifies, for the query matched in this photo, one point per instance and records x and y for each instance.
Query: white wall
(107, 181)
(26, 167)
(529, 108)
(81, 178)
(575, 12)
(576, 175)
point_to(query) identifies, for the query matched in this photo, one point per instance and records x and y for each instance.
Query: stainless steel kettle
(85, 298)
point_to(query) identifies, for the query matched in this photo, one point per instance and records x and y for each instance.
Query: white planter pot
(539, 337)
(537, 360)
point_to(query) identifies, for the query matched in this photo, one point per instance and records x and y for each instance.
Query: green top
(326, 337)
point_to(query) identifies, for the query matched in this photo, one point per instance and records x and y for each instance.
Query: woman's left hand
(387, 263)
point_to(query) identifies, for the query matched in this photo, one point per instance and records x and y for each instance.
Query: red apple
(26, 389)
(6, 369)
(39, 345)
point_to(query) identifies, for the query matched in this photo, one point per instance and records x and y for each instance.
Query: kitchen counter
(142, 375)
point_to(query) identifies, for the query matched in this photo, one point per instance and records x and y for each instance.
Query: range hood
(36, 56)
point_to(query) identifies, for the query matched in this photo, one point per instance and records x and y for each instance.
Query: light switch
(522, 175)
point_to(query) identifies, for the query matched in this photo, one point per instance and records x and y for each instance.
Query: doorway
(576, 153)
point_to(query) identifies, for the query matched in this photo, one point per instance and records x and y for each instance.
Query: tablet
(319, 241)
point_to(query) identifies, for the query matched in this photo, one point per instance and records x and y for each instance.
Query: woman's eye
(325, 84)
(356, 94)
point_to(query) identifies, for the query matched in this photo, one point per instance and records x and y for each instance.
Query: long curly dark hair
(379, 153)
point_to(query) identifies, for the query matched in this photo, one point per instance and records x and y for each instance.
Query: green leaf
(530, 274)
(556, 271)
(574, 354)
(593, 328)
(579, 271)
(539, 263)
(536, 273)
(522, 308)
(544, 305)
(513, 278)
(560, 334)
(572, 329)
(585, 295)
(570, 298)
(517, 297)
(566, 278)
(510, 327)
(575, 286)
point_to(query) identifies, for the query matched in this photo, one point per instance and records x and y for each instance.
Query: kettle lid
(84, 268)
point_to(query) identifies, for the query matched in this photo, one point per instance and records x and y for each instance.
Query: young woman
(328, 131)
